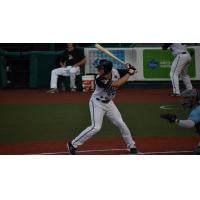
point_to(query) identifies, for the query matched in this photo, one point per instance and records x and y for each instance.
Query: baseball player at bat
(189, 99)
(101, 103)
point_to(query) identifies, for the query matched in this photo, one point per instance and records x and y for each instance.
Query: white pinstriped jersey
(106, 93)
(178, 48)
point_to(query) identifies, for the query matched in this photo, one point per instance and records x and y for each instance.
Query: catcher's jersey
(195, 115)
(178, 48)
(104, 91)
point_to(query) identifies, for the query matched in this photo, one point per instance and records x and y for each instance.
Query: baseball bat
(105, 51)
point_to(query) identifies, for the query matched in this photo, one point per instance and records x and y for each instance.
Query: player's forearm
(82, 62)
(63, 64)
(186, 123)
(121, 81)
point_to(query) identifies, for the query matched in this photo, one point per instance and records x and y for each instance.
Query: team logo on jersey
(111, 91)
(105, 81)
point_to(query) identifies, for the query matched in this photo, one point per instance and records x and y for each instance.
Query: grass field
(34, 122)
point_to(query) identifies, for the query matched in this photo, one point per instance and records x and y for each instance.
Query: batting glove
(130, 69)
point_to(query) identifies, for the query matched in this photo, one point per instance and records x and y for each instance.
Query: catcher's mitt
(130, 69)
(170, 117)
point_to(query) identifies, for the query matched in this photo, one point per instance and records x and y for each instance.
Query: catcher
(189, 99)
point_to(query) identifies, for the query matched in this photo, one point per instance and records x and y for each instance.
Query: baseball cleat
(73, 89)
(133, 151)
(51, 91)
(174, 95)
(71, 148)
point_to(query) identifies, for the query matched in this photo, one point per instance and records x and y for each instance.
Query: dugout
(26, 69)
(41, 64)
(17, 70)
(31, 69)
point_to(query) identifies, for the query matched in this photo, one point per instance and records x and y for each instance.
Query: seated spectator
(70, 62)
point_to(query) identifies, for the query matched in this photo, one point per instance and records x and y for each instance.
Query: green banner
(157, 64)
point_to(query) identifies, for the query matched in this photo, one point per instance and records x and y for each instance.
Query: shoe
(133, 151)
(197, 150)
(71, 148)
(73, 89)
(54, 90)
(174, 95)
(63, 89)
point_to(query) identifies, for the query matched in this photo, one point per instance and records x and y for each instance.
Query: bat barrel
(105, 51)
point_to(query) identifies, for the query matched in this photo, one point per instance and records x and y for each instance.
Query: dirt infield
(147, 145)
(124, 96)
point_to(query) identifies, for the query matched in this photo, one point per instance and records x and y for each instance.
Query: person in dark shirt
(70, 62)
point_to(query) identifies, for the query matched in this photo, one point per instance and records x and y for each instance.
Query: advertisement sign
(157, 64)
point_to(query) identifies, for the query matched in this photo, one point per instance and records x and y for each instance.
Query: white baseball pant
(64, 71)
(180, 68)
(97, 112)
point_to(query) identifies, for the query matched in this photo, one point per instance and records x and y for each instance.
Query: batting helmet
(190, 98)
(106, 65)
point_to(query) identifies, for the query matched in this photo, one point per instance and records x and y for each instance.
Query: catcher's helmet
(190, 98)
(106, 65)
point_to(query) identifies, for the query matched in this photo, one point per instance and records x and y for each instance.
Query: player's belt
(103, 101)
(180, 53)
